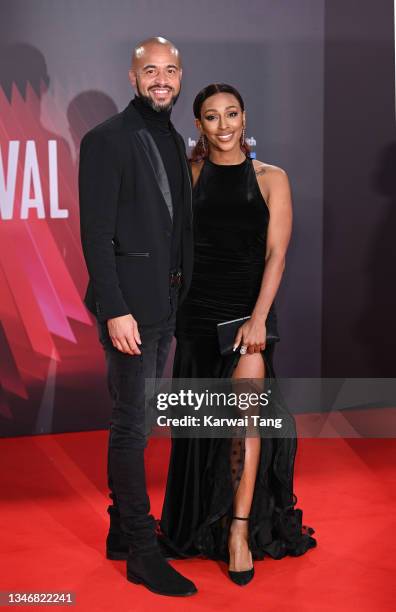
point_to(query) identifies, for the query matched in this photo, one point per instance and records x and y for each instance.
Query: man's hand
(124, 334)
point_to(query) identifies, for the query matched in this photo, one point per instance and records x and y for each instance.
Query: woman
(232, 499)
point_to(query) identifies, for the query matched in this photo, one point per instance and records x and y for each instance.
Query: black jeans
(129, 431)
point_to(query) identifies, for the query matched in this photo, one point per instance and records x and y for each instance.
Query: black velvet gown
(230, 228)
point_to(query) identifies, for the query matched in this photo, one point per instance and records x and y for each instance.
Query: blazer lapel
(154, 157)
(187, 179)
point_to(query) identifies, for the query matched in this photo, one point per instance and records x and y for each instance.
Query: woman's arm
(275, 188)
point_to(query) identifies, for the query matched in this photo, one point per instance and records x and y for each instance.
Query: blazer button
(168, 234)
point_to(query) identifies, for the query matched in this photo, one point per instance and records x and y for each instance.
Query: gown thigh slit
(230, 229)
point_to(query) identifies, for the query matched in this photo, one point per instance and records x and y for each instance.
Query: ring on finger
(243, 349)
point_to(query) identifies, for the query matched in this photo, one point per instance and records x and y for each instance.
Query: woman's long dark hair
(199, 152)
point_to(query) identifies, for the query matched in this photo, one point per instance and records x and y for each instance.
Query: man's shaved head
(156, 72)
(149, 44)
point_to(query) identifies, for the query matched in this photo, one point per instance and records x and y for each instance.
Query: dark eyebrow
(214, 110)
(154, 66)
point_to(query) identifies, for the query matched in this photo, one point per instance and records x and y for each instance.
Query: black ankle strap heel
(244, 577)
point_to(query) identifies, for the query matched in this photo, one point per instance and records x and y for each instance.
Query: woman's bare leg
(249, 366)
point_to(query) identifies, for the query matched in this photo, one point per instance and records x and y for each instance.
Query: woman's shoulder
(272, 180)
(269, 170)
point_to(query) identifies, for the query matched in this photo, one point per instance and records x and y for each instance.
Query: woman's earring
(243, 135)
(204, 147)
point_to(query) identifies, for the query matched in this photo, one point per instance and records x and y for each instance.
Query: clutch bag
(227, 330)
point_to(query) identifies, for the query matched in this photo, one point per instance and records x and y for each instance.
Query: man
(136, 220)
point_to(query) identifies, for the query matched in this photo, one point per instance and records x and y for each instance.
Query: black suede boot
(153, 571)
(132, 532)
(116, 542)
(117, 547)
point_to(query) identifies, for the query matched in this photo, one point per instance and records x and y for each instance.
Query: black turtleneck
(158, 124)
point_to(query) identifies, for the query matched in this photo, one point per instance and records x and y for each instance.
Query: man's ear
(132, 77)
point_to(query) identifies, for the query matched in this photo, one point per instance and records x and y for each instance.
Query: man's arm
(99, 184)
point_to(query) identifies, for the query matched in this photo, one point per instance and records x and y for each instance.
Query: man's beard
(154, 105)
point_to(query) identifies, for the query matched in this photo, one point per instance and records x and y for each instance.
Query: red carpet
(54, 525)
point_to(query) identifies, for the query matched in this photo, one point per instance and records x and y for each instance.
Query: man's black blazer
(126, 220)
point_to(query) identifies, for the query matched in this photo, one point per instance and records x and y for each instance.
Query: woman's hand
(252, 334)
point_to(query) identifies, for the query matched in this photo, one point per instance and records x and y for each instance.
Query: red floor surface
(54, 524)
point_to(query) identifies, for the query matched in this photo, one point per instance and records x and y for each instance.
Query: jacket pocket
(132, 254)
